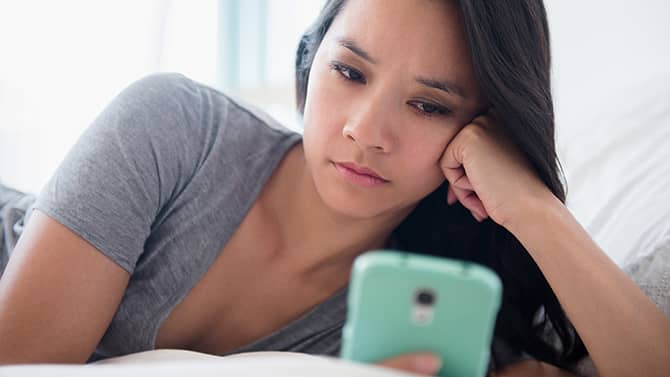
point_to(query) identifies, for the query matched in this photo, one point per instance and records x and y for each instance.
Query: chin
(348, 207)
(357, 204)
(349, 200)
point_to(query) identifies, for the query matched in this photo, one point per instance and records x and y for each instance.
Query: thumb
(427, 363)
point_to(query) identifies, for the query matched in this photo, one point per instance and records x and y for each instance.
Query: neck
(316, 239)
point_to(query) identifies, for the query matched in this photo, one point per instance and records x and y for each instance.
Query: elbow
(20, 356)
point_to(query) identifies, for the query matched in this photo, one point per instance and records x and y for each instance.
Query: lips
(361, 170)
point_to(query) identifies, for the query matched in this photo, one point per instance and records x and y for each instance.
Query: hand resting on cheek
(487, 173)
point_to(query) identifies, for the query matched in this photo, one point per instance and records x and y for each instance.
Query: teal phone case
(388, 313)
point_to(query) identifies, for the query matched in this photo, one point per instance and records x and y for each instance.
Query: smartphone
(401, 302)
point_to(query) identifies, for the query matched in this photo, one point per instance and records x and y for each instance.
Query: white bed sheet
(180, 363)
(616, 155)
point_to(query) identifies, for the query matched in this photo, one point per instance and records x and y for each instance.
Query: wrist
(535, 214)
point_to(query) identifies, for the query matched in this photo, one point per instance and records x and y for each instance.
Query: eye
(427, 109)
(430, 109)
(347, 72)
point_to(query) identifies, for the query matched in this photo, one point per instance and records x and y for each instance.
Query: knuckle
(479, 119)
(482, 120)
(478, 129)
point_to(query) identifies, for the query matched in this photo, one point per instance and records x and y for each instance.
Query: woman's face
(390, 86)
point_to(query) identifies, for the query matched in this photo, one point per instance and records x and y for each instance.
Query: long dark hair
(509, 43)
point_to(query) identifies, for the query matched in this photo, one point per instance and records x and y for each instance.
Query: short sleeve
(133, 158)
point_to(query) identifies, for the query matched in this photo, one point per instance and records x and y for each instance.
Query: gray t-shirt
(158, 183)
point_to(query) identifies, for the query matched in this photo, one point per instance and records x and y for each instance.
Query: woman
(148, 234)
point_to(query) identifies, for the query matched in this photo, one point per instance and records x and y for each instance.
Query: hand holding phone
(424, 363)
(401, 303)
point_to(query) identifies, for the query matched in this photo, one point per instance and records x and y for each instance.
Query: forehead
(423, 34)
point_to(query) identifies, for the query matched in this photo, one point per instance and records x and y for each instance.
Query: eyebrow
(444, 85)
(356, 49)
(440, 84)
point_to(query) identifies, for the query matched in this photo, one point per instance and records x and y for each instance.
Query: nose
(370, 127)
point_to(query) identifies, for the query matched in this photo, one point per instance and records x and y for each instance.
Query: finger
(477, 217)
(452, 172)
(452, 158)
(486, 120)
(426, 363)
(471, 201)
(451, 197)
(463, 183)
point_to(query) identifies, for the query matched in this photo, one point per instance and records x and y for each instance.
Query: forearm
(623, 330)
(531, 368)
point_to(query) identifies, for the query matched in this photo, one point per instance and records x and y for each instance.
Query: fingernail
(427, 364)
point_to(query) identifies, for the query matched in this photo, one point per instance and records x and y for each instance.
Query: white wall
(62, 62)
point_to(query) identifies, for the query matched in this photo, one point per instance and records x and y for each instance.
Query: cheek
(324, 116)
(422, 153)
(419, 164)
(320, 130)
(427, 146)
(424, 167)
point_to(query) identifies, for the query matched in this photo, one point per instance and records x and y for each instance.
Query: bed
(179, 363)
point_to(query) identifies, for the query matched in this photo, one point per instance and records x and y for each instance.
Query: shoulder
(181, 96)
(173, 111)
(159, 88)
(168, 94)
